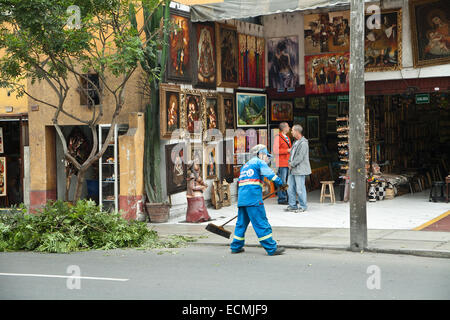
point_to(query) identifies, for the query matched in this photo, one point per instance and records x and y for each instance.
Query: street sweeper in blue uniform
(250, 201)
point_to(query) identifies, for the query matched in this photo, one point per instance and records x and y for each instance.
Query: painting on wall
(313, 128)
(301, 120)
(175, 168)
(179, 64)
(243, 60)
(170, 110)
(251, 109)
(205, 56)
(430, 21)
(210, 161)
(226, 111)
(196, 155)
(383, 46)
(283, 62)
(1, 140)
(327, 73)
(281, 110)
(327, 32)
(314, 103)
(331, 127)
(332, 109)
(3, 180)
(194, 113)
(227, 165)
(300, 103)
(227, 55)
(260, 63)
(212, 112)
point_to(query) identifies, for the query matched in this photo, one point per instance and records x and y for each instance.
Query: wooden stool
(323, 193)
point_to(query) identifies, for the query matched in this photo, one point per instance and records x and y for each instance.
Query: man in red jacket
(281, 148)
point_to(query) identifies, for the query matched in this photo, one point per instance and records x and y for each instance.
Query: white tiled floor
(404, 212)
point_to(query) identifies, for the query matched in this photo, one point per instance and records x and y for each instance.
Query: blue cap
(265, 151)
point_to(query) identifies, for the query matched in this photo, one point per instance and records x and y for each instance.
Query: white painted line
(57, 276)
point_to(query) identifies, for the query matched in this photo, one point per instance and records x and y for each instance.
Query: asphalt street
(210, 272)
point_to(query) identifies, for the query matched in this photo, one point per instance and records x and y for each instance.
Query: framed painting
(196, 155)
(175, 168)
(327, 73)
(281, 110)
(313, 128)
(383, 47)
(242, 60)
(211, 117)
(1, 140)
(262, 137)
(301, 120)
(227, 165)
(226, 111)
(274, 130)
(314, 103)
(331, 127)
(251, 109)
(204, 60)
(227, 55)
(251, 139)
(430, 20)
(179, 62)
(169, 110)
(300, 103)
(260, 63)
(327, 32)
(283, 62)
(210, 161)
(194, 114)
(332, 109)
(3, 180)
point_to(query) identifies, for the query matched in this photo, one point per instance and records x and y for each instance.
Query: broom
(221, 231)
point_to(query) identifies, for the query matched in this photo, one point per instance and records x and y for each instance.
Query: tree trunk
(79, 185)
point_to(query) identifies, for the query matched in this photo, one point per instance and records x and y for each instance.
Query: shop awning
(240, 9)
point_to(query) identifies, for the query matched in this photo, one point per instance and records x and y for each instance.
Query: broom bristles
(218, 230)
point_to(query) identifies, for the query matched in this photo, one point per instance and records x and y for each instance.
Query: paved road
(210, 272)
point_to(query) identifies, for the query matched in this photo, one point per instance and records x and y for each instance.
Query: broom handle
(270, 194)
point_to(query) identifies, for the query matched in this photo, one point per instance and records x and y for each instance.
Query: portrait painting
(175, 168)
(179, 64)
(281, 110)
(170, 110)
(251, 109)
(283, 62)
(327, 73)
(196, 155)
(327, 32)
(227, 55)
(383, 46)
(194, 115)
(211, 113)
(430, 20)
(205, 58)
(313, 128)
(226, 111)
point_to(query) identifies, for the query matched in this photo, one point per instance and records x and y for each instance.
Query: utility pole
(357, 168)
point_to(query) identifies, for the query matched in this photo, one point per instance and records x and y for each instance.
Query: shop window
(89, 95)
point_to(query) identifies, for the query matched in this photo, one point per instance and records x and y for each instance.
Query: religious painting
(331, 127)
(332, 109)
(313, 128)
(243, 60)
(227, 55)
(227, 165)
(251, 109)
(430, 20)
(239, 142)
(3, 177)
(251, 59)
(179, 64)
(193, 111)
(383, 46)
(205, 59)
(211, 113)
(283, 62)
(1, 140)
(327, 73)
(262, 137)
(281, 110)
(251, 139)
(327, 32)
(196, 155)
(210, 161)
(169, 110)
(300, 103)
(226, 111)
(175, 168)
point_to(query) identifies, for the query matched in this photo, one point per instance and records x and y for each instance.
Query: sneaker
(238, 251)
(291, 209)
(300, 210)
(278, 252)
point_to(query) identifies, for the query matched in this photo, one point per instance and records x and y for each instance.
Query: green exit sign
(422, 98)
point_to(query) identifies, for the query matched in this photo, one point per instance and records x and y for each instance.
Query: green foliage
(60, 227)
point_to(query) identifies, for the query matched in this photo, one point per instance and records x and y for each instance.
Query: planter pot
(158, 212)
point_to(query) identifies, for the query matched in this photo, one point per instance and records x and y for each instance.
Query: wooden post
(357, 169)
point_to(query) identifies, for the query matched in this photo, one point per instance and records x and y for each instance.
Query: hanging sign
(422, 98)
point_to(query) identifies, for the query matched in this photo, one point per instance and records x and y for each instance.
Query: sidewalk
(390, 224)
